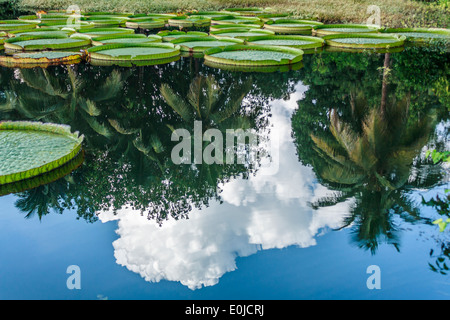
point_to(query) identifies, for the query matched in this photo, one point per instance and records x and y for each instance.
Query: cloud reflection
(264, 212)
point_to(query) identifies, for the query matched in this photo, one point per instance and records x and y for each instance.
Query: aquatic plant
(255, 55)
(133, 51)
(33, 148)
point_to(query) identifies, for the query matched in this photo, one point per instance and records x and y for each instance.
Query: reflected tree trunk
(387, 60)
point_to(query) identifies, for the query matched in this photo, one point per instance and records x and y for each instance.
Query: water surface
(306, 221)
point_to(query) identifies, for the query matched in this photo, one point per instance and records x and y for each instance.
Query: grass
(394, 13)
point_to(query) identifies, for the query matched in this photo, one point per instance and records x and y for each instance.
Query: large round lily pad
(126, 38)
(291, 26)
(147, 23)
(44, 42)
(134, 52)
(217, 27)
(189, 21)
(420, 34)
(236, 19)
(293, 41)
(249, 12)
(6, 25)
(37, 32)
(97, 32)
(171, 35)
(240, 33)
(326, 29)
(42, 59)
(43, 179)
(29, 149)
(244, 55)
(200, 44)
(364, 41)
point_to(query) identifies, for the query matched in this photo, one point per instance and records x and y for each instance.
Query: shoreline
(394, 13)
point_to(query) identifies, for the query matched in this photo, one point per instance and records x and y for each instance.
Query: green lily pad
(421, 34)
(29, 149)
(201, 44)
(171, 35)
(42, 59)
(236, 20)
(241, 33)
(97, 32)
(328, 29)
(364, 41)
(244, 55)
(44, 42)
(43, 179)
(291, 26)
(232, 26)
(189, 21)
(126, 38)
(6, 25)
(133, 52)
(147, 23)
(294, 41)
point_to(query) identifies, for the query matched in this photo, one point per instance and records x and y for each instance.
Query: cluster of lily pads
(245, 37)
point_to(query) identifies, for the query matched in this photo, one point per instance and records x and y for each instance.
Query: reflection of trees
(364, 140)
(128, 132)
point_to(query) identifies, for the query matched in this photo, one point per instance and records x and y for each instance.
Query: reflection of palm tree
(62, 98)
(43, 199)
(208, 102)
(217, 108)
(371, 160)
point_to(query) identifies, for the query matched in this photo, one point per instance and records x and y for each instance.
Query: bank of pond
(236, 38)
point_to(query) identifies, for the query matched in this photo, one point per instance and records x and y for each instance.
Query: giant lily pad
(189, 21)
(157, 16)
(200, 44)
(134, 52)
(29, 149)
(43, 179)
(291, 26)
(421, 34)
(43, 58)
(212, 14)
(247, 11)
(44, 42)
(126, 38)
(6, 25)
(236, 19)
(171, 35)
(326, 29)
(97, 32)
(104, 22)
(244, 55)
(294, 41)
(272, 16)
(218, 27)
(40, 31)
(240, 33)
(147, 23)
(253, 69)
(364, 41)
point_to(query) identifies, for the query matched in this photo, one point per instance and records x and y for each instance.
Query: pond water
(335, 192)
